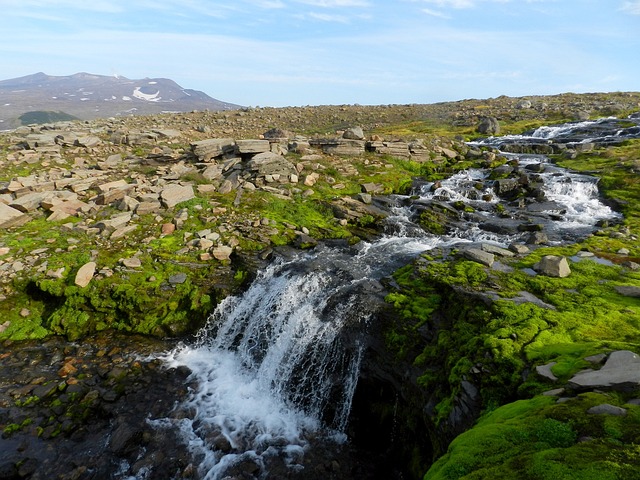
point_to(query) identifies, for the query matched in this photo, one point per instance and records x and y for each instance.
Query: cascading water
(275, 369)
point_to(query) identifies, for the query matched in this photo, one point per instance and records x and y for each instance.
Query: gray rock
(11, 217)
(269, 163)
(178, 278)
(519, 248)
(556, 392)
(175, 194)
(620, 372)
(487, 247)
(506, 185)
(537, 238)
(252, 146)
(133, 262)
(628, 290)
(353, 133)
(31, 201)
(341, 146)
(479, 256)
(545, 371)
(553, 266)
(206, 150)
(488, 126)
(222, 253)
(606, 409)
(372, 187)
(114, 222)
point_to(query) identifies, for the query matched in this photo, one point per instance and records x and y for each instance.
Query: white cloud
(336, 3)
(632, 7)
(328, 18)
(457, 4)
(435, 13)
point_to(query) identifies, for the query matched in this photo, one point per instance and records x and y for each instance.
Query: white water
(276, 368)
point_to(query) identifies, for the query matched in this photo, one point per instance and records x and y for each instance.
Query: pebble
(178, 278)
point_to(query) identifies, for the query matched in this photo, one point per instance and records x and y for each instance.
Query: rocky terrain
(140, 225)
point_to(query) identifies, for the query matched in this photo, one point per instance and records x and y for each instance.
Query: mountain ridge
(89, 96)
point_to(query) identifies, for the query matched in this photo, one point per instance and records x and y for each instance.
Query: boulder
(31, 201)
(553, 266)
(353, 133)
(488, 126)
(174, 194)
(206, 150)
(268, 163)
(11, 217)
(222, 252)
(545, 372)
(620, 372)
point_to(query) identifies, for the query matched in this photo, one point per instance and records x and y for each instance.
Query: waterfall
(275, 369)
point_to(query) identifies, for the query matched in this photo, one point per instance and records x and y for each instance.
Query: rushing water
(277, 366)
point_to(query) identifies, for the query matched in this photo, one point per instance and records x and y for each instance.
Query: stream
(275, 370)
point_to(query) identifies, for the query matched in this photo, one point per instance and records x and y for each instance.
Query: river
(275, 369)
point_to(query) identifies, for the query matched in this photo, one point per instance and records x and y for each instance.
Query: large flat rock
(620, 372)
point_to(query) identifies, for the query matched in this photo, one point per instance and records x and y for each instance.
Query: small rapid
(275, 369)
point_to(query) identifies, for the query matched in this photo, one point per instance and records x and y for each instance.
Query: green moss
(538, 439)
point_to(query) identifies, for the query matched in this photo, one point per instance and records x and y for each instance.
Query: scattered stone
(545, 371)
(353, 133)
(178, 278)
(85, 274)
(556, 392)
(623, 251)
(596, 359)
(168, 228)
(222, 253)
(553, 266)
(133, 262)
(175, 194)
(11, 217)
(479, 256)
(25, 312)
(628, 290)
(607, 409)
(487, 247)
(519, 249)
(537, 238)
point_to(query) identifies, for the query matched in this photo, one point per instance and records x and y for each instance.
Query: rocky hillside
(33, 98)
(142, 224)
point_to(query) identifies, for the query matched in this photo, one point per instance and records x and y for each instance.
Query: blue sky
(317, 52)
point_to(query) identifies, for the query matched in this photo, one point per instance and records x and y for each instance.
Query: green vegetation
(539, 439)
(477, 331)
(38, 117)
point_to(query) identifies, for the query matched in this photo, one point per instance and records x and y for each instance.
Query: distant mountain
(88, 96)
